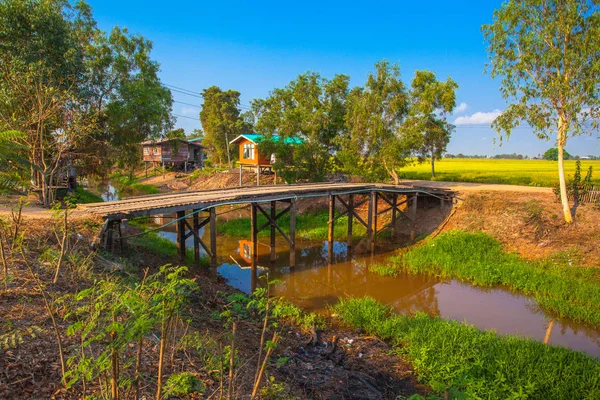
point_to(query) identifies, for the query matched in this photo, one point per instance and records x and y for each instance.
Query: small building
(251, 157)
(174, 152)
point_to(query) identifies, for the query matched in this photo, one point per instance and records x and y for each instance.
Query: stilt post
(350, 218)
(240, 174)
(196, 228)
(213, 236)
(273, 215)
(254, 233)
(372, 219)
(181, 235)
(331, 228)
(292, 233)
(394, 215)
(258, 175)
(413, 206)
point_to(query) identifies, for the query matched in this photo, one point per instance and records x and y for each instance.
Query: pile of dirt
(531, 224)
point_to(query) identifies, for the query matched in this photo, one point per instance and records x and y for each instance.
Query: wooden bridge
(189, 204)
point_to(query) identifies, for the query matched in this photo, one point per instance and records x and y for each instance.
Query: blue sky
(255, 46)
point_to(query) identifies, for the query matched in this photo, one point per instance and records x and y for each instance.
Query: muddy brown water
(315, 284)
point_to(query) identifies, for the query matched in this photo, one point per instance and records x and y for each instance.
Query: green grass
(310, 226)
(572, 292)
(131, 187)
(476, 364)
(512, 172)
(162, 247)
(83, 196)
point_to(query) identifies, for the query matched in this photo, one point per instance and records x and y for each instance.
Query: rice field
(511, 172)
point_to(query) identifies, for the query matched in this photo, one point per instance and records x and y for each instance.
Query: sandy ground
(476, 187)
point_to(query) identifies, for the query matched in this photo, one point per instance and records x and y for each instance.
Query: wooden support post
(181, 235)
(196, 228)
(330, 232)
(370, 231)
(258, 175)
(273, 216)
(292, 233)
(213, 236)
(146, 168)
(413, 206)
(254, 233)
(374, 198)
(394, 215)
(240, 174)
(350, 218)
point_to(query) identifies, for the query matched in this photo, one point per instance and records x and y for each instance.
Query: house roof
(257, 138)
(165, 140)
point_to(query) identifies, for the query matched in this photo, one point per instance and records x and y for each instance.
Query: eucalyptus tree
(221, 122)
(374, 144)
(546, 53)
(430, 102)
(308, 117)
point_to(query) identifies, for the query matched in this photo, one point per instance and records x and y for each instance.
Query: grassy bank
(511, 172)
(310, 226)
(572, 292)
(153, 243)
(83, 196)
(131, 187)
(470, 363)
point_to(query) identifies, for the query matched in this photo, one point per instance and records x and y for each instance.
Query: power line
(193, 93)
(185, 116)
(187, 104)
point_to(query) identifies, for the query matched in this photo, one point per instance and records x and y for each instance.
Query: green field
(512, 172)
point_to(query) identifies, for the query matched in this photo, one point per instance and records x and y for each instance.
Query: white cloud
(461, 107)
(191, 111)
(479, 118)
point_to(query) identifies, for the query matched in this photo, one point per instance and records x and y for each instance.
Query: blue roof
(257, 138)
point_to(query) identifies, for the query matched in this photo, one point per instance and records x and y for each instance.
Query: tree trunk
(561, 171)
(227, 146)
(432, 164)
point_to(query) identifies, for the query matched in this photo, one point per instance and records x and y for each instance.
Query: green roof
(257, 138)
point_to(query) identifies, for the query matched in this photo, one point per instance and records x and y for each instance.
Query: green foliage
(309, 107)
(577, 188)
(431, 100)
(470, 363)
(127, 185)
(14, 167)
(183, 383)
(552, 154)
(373, 146)
(221, 121)
(82, 196)
(479, 259)
(113, 314)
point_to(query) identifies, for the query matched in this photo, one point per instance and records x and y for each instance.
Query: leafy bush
(183, 383)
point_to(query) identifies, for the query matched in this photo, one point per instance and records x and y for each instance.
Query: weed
(460, 360)
(82, 196)
(183, 383)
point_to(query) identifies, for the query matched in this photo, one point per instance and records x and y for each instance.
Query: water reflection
(319, 280)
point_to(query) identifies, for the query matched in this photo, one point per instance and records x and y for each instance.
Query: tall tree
(77, 94)
(310, 108)
(221, 122)
(374, 145)
(430, 102)
(547, 54)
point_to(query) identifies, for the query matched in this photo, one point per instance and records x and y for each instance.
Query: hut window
(249, 151)
(157, 150)
(146, 151)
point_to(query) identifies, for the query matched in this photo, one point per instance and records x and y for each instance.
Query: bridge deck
(201, 199)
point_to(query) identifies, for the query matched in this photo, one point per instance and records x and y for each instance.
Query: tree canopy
(552, 154)
(546, 54)
(77, 95)
(221, 122)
